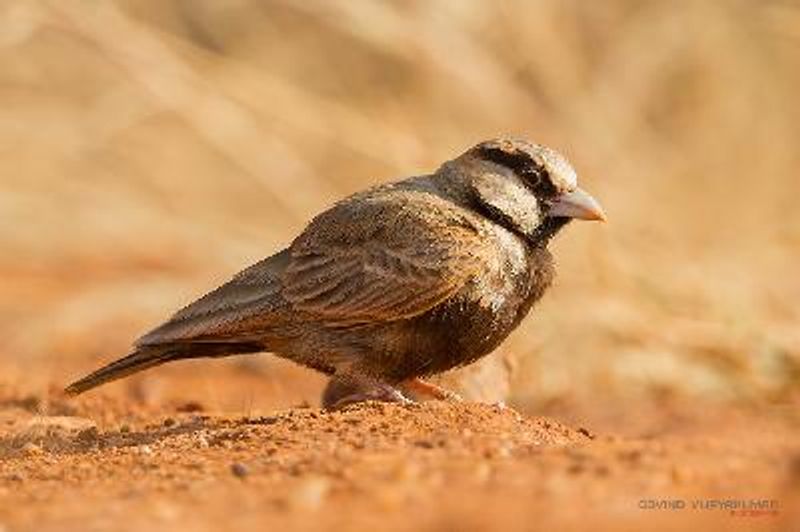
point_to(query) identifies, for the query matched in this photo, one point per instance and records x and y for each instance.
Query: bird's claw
(382, 393)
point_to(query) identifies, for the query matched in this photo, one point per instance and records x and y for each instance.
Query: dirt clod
(240, 470)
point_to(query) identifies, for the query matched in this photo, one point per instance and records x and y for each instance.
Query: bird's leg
(347, 389)
(426, 389)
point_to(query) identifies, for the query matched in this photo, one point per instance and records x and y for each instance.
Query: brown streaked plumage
(401, 281)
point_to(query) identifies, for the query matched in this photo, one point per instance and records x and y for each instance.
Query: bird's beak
(577, 204)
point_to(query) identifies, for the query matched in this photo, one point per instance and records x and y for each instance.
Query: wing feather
(225, 313)
(386, 264)
(381, 258)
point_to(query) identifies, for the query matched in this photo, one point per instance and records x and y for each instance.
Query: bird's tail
(150, 356)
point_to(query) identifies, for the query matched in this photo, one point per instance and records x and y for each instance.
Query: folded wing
(389, 261)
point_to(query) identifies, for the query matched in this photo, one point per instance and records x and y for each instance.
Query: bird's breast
(477, 319)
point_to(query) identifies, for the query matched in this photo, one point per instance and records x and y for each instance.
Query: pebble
(240, 470)
(576, 469)
(191, 406)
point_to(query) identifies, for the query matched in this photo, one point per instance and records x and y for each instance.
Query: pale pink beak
(577, 204)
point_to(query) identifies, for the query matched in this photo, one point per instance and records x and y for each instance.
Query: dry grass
(151, 148)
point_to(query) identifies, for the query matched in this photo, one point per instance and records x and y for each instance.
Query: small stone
(170, 422)
(240, 470)
(634, 456)
(191, 407)
(125, 429)
(575, 469)
(202, 441)
(145, 450)
(602, 471)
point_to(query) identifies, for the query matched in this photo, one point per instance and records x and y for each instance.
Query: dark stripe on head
(522, 163)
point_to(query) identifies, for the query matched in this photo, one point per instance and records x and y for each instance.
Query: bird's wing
(384, 260)
(228, 313)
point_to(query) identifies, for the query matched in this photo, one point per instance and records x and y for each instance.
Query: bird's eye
(538, 179)
(533, 176)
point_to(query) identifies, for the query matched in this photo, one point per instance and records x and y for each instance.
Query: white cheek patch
(509, 199)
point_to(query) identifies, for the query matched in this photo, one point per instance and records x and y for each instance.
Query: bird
(392, 285)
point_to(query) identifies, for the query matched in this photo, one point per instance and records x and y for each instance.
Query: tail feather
(137, 361)
(150, 356)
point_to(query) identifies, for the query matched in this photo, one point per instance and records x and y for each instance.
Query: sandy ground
(118, 460)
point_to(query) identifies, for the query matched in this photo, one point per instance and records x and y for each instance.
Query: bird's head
(528, 188)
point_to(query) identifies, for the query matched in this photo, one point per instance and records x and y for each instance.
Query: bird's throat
(548, 229)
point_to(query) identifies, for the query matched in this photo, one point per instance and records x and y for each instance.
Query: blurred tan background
(152, 148)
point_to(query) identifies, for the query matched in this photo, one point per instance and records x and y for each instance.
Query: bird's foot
(421, 388)
(343, 391)
(383, 393)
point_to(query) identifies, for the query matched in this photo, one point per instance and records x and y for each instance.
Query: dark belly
(468, 326)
